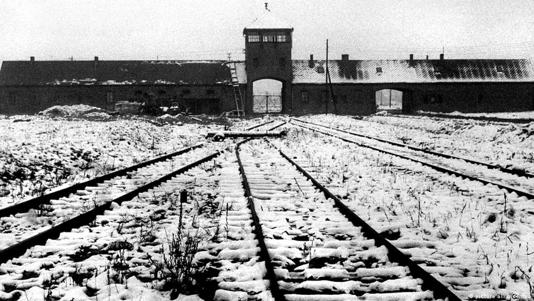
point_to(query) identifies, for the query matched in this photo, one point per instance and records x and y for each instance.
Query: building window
(320, 69)
(269, 38)
(281, 38)
(304, 97)
(282, 62)
(433, 99)
(12, 99)
(253, 38)
(109, 97)
(378, 70)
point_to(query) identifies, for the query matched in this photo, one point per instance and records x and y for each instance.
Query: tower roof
(268, 21)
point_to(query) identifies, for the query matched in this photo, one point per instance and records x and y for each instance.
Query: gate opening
(388, 99)
(267, 96)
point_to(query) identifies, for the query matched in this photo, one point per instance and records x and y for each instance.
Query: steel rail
(439, 168)
(394, 254)
(259, 125)
(520, 173)
(86, 217)
(34, 202)
(477, 118)
(264, 252)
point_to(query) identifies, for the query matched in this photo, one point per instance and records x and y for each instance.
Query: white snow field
(476, 239)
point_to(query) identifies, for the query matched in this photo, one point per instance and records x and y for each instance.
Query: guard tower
(268, 44)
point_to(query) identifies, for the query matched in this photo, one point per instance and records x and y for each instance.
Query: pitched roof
(268, 21)
(113, 72)
(417, 71)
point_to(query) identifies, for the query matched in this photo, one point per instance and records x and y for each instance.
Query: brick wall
(32, 99)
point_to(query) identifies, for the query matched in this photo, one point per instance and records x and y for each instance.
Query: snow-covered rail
(468, 117)
(317, 248)
(120, 255)
(521, 185)
(34, 221)
(62, 214)
(516, 172)
(34, 202)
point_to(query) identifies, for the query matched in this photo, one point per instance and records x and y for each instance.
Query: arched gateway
(267, 96)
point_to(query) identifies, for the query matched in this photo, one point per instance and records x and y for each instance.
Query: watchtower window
(253, 38)
(269, 38)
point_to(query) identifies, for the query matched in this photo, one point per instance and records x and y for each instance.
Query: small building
(270, 81)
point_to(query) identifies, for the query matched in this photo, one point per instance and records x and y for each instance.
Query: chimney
(411, 57)
(441, 56)
(344, 57)
(311, 63)
(32, 59)
(427, 57)
(96, 58)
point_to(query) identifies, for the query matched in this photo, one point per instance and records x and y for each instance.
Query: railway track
(117, 253)
(34, 221)
(314, 246)
(477, 118)
(521, 184)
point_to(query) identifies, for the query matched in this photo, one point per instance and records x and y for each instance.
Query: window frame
(281, 37)
(109, 97)
(305, 96)
(254, 37)
(269, 38)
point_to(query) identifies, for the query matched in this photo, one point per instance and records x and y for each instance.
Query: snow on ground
(508, 145)
(40, 153)
(476, 238)
(129, 253)
(504, 115)
(456, 227)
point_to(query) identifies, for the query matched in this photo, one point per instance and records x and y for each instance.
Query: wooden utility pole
(326, 80)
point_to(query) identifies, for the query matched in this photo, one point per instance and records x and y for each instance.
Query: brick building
(271, 81)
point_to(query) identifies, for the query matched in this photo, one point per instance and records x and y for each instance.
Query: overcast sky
(183, 29)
